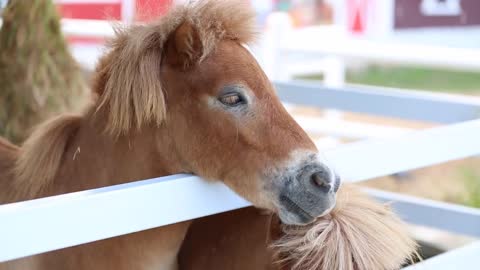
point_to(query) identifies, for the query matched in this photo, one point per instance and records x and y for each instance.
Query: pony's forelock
(128, 78)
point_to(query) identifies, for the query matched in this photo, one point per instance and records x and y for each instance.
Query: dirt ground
(445, 182)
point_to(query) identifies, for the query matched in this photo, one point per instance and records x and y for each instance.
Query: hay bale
(38, 76)
(359, 234)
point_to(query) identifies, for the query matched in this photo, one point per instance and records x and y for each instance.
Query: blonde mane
(127, 83)
(359, 234)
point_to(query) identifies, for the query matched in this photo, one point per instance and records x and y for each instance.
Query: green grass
(414, 78)
(471, 180)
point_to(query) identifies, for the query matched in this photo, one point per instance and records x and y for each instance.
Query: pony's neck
(95, 159)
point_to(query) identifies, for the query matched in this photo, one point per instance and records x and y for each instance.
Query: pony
(358, 234)
(179, 95)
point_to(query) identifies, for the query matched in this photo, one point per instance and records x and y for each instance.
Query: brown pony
(181, 95)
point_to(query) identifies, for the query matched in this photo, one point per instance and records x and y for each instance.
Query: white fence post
(278, 29)
(128, 11)
(334, 74)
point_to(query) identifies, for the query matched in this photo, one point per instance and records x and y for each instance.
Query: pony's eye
(232, 99)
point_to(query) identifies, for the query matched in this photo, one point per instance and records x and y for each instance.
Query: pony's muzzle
(309, 194)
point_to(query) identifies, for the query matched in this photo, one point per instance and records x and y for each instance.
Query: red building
(123, 10)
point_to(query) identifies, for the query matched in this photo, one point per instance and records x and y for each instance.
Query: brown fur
(8, 156)
(235, 240)
(150, 118)
(41, 155)
(359, 234)
(8, 150)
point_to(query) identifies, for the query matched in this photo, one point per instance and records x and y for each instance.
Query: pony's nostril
(337, 183)
(321, 180)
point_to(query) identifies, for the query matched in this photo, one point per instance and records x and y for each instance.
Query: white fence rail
(411, 105)
(380, 51)
(326, 49)
(462, 258)
(89, 28)
(86, 216)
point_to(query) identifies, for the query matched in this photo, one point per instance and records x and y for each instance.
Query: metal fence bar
(413, 105)
(440, 215)
(464, 258)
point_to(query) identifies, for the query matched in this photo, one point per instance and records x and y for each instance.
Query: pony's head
(189, 77)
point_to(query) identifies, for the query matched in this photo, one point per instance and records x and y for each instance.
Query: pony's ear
(184, 46)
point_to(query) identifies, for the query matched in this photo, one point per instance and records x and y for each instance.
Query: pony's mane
(127, 77)
(41, 155)
(6, 146)
(127, 85)
(8, 155)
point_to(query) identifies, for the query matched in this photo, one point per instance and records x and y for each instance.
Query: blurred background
(398, 45)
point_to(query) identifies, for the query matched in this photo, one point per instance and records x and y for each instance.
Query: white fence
(86, 216)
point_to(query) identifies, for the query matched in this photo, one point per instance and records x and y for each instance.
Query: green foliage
(38, 76)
